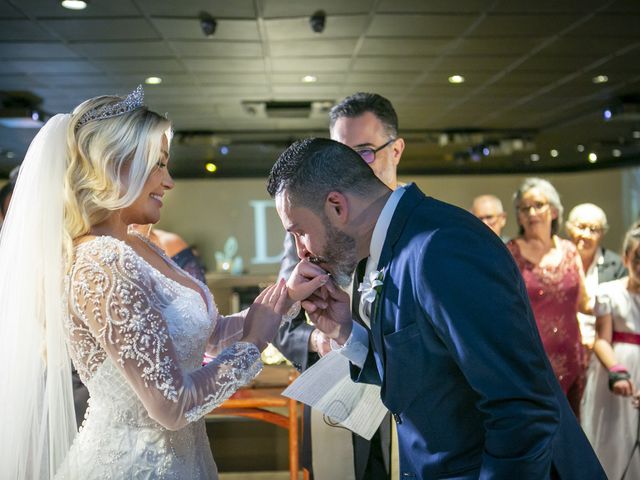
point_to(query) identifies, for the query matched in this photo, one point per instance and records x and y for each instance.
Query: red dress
(553, 293)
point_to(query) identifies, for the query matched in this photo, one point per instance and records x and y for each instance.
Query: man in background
(488, 208)
(367, 123)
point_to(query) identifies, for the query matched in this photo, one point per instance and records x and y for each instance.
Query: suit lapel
(408, 202)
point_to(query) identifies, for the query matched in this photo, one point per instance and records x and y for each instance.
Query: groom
(448, 331)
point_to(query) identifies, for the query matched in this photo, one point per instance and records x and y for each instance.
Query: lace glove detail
(239, 364)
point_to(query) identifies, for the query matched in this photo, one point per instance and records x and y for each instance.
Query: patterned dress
(137, 338)
(610, 421)
(553, 293)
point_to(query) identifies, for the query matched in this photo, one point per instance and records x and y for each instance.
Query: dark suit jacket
(611, 267)
(459, 358)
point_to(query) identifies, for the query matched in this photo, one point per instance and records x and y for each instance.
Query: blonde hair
(109, 161)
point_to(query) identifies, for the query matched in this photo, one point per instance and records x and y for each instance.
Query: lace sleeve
(113, 294)
(229, 329)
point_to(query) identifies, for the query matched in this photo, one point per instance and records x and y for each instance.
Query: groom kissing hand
(445, 326)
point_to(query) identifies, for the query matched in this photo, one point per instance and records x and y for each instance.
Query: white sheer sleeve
(228, 330)
(113, 294)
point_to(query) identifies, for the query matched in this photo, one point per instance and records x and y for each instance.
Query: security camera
(318, 21)
(208, 24)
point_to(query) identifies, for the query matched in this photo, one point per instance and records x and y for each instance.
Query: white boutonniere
(371, 286)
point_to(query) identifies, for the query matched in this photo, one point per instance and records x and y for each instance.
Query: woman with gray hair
(552, 272)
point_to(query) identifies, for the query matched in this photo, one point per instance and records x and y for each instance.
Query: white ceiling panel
(225, 65)
(8, 11)
(320, 47)
(102, 29)
(215, 48)
(312, 65)
(220, 9)
(406, 46)
(388, 25)
(51, 66)
(146, 68)
(233, 91)
(72, 81)
(546, 6)
(21, 82)
(308, 91)
(402, 78)
(403, 49)
(122, 49)
(189, 29)
(496, 46)
(53, 9)
(240, 78)
(523, 25)
(295, 8)
(434, 6)
(23, 50)
(296, 78)
(22, 30)
(620, 25)
(298, 28)
(186, 80)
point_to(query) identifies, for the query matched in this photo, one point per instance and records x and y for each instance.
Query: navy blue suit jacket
(458, 356)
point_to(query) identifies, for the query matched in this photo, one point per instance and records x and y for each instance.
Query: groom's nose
(301, 249)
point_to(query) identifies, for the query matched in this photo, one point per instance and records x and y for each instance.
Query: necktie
(355, 297)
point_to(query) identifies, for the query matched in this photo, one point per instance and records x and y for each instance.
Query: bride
(133, 323)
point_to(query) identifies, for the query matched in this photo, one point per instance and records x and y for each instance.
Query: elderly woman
(552, 270)
(586, 225)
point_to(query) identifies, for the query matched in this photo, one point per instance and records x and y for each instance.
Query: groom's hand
(328, 309)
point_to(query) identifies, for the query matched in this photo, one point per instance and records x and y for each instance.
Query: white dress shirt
(356, 347)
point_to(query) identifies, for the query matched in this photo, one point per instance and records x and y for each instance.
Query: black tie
(355, 297)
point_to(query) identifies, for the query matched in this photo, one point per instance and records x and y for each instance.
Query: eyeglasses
(583, 227)
(538, 207)
(369, 154)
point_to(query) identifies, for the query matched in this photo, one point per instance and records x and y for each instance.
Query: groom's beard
(339, 256)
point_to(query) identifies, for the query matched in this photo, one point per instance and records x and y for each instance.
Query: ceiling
(528, 66)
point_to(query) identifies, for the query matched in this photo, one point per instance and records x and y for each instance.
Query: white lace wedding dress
(137, 339)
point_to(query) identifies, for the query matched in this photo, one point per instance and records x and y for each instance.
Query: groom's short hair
(311, 168)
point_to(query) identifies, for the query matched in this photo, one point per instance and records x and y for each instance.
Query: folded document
(327, 387)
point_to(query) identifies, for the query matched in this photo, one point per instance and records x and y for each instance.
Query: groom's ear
(336, 208)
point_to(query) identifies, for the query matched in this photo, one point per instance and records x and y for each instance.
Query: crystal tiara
(134, 100)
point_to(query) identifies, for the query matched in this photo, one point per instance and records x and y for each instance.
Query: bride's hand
(305, 279)
(265, 314)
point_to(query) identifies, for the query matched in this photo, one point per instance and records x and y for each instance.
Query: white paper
(327, 387)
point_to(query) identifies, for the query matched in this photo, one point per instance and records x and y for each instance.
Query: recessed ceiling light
(74, 4)
(210, 167)
(593, 158)
(600, 79)
(153, 80)
(635, 134)
(456, 79)
(607, 114)
(616, 152)
(554, 153)
(309, 79)
(580, 148)
(535, 157)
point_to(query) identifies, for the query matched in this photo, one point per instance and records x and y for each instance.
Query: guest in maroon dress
(553, 274)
